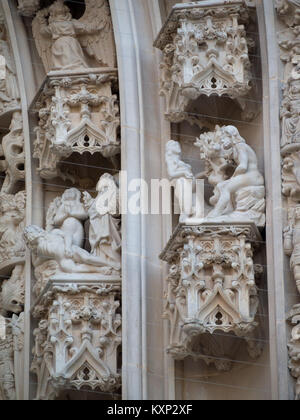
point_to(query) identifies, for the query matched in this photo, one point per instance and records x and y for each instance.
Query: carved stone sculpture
(211, 286)
(12, 360)
(289, 13)
(9, 90)
(239, 196)
(28, 7)
(12, 150)
(12, 292)
(77, 340)
(66, 44)
(104, 230)
(59, 250)
(205, 52)
(189, 198)
(12, 214)
(294, 348)
(77, 114)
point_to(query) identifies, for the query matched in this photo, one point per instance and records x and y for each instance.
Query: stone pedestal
(205, 52)
(211, 284)
(78, 339)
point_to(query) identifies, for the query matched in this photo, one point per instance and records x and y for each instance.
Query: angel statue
(104, 231)
(9, 90)
(65, 43)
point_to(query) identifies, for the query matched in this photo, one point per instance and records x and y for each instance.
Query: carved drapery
(205, 52)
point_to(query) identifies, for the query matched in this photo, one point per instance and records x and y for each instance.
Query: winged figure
(65, 43)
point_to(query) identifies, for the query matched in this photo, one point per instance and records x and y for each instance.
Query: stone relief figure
(12, 293)
(12, 149)
(190, 202)
(292, 242)
(104, 230)
(65, 43)
(67, 214)
(12, 214)
(51, 246)
(63, 240)
(9, 90)
(239, 193)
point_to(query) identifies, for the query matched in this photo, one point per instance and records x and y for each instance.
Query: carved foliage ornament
(205, 51)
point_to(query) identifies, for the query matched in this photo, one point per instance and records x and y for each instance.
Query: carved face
(59, 12)
(71, 195)
(173, 147)
(32, 235)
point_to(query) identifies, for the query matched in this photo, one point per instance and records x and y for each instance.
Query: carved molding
(205, 52)
(78, 338)
(211, 284)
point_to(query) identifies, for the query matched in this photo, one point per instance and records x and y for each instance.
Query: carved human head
(32, 234)
(173, 147)
(106, 181)
(231, 136)
(72, 194)
(59, 12)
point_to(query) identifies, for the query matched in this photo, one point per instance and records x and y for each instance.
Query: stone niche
(78, 113)
(211, 287)
(205, 52)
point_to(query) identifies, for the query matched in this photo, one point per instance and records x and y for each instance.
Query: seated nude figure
(189, 202)
(69, 217)
(245, 175)
(52, 246)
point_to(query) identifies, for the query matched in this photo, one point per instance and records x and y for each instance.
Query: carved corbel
(78, 338)
(211, 287)
(205, 52)
(77, 114)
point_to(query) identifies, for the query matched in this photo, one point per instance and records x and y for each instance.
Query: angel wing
(99, 42)
(42, 37)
